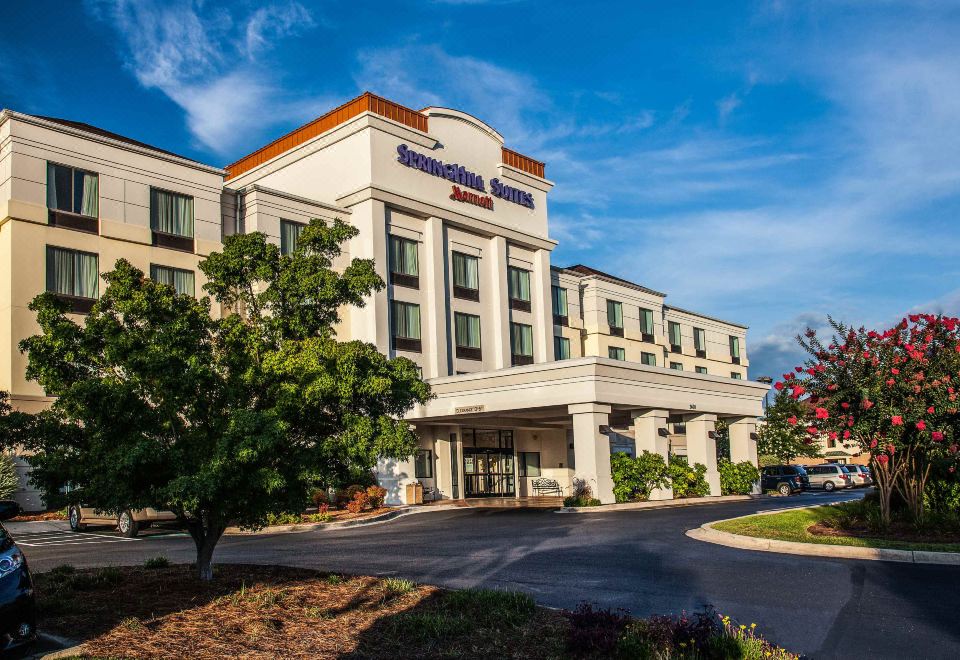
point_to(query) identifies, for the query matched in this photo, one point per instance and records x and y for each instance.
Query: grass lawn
(159, 610)
(794, 526)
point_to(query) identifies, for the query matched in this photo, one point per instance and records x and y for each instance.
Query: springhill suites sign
(461, 176)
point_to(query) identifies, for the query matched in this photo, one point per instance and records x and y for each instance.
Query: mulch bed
(897, 532)
(268, 612)
(43, 515)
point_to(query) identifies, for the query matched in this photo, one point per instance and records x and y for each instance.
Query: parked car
(129, 522)
(860, 475)
(829, 476)
(18, 620)
(785, 479)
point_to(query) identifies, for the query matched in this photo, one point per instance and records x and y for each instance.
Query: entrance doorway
(489, 465)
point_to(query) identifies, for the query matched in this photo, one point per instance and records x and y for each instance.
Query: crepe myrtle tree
(221, 420)
(893, 392)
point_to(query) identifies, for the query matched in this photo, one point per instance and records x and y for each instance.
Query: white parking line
(66, 538)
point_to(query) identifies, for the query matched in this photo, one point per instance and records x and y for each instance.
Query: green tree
(780, 434)
(9, 480)
(221, 420)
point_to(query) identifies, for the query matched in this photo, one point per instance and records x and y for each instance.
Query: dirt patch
(42, 516)
(897, 532)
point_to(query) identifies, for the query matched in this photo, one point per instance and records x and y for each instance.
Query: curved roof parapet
(437, 111)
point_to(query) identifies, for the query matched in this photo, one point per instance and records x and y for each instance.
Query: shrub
(582, 495)
(156, 562)
(319, 497)
(354, 489)
(285, 518)
(594, 632)
(376, 495)
(359, 502)
(688, 481)
(9, 480)
(737, 478)
(321, 517)
(635, 478)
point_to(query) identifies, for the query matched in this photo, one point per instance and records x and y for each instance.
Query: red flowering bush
(359, 502)
(893, 389)
(376, 495)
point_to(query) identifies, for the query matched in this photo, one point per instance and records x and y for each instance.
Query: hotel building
(538, 371)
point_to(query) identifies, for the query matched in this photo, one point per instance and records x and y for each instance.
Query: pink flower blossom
(930, 410)
(937, 436)
(867, 404)
(873, 443)
(778, 386)
(846, 435)
(891, 449)
(882, 459)
(844, 405)
(812, 430)
(792, 420)
(921, 425)
(896, 420)
(822, 413)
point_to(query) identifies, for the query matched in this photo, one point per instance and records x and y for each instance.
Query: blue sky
(765, 162)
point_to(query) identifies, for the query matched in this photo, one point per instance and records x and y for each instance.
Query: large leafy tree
(221, 420)
(780, 435)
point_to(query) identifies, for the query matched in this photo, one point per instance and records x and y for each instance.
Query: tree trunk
(912, 483)
(205, 533)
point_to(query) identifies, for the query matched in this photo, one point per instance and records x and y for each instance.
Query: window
(528, 463)
(521, 343)
(646, 324)
(735, 349)
(73, 198)
(518, 281)
(700, 342)
(676, 366)
(561, 348)
(289, 235)
(423, 464)
(406, 326)
(736, 375)
(467, 331)
(561, 315)
(615, 317)
(673, 329)
(74, 276)
(616, 353)
(181, 280)
(648, 359)
(171, 219)
(404, 268)
(701, 370)
(466, 276)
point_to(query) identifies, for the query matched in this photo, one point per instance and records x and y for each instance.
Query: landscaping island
(159, 610)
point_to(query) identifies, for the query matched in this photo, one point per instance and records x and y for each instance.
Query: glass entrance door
(488, 472)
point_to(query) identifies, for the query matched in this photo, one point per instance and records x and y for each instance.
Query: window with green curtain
(466, 271)
(701, 370)
(648, 359)
(180, 279)
(72, 273)
(736, 375)
(467, 330)
(289, 235)
(616, 353)
(528, 463)
(171, 213)
(406, 320)
(674, 330)
(646, 321)
(614, 314)
(519, 283)
(521, 339)
(561, 348)
(403, 256)
(734, 346)
(700, 339)
(72, 190)
(559, 301)
(676, 366)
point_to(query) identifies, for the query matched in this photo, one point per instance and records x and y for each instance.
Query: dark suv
(785, 479)
(17, 617)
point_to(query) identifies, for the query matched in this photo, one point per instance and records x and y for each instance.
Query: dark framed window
(646, 324)
(180, 279)
(673, 330)
(73, 198)
(423, 464)
(289, 235)
(528, 463)
(467, 336)
(700, 342)
(735, 349)
(521, 343)
(74, 277)
(561, 348)
(736, 375)
(518, 285)
(649, 359)
(561, 314)
(404, 264)
(615, 317)
(676, 366)
(701, 370)
(405, 326)
(171, 220)
(616, 353)
(466, 276)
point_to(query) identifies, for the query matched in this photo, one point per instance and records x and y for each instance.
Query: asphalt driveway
(637, 560)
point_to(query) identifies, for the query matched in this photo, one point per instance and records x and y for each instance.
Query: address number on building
(461, 410)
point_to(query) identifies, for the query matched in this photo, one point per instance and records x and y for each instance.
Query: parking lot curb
(359, 522)
(660, 504)
(708, 534)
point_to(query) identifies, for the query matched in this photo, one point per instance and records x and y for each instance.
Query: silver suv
(861, 475)
(829, 476)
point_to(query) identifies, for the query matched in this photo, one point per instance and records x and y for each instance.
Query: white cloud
(190, 52)
(726, 105)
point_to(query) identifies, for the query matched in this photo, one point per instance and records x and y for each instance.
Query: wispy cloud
(190, 52)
